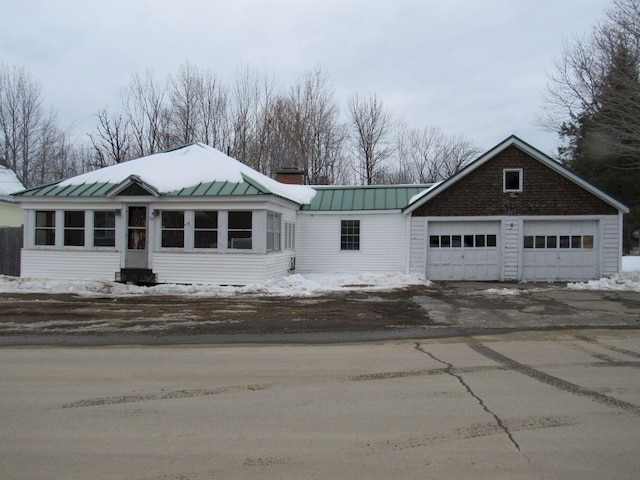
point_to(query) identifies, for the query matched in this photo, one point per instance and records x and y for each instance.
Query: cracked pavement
(562, 404)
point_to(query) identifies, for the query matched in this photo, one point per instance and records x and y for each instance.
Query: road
(554, 405)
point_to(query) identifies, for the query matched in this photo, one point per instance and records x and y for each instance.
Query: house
(194, 215)
(189, 215)
(10, 212)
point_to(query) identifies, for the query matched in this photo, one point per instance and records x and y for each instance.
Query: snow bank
(628, 280)
(290, 286)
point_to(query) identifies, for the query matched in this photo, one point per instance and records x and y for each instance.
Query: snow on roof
(9, 183)
(418, 196)
(187, 167)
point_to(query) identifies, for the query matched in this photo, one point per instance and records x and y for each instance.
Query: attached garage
(560, 250)
(515, 214)
(463, 250)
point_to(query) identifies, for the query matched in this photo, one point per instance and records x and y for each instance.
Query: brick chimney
(290, 176)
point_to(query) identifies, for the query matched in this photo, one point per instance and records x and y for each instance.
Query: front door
(136, 237)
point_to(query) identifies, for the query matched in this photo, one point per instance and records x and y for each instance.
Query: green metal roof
(370, 197)
(209, 189)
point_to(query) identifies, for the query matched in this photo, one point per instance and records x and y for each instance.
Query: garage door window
(555, 241)
(466, 241)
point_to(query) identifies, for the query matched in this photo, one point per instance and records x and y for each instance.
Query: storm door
(137, 220)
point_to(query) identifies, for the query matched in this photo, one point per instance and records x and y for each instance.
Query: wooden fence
(10, 246)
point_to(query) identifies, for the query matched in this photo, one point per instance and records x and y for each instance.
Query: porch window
(45, 227)
(273, 232)
(172, 229)
(240, 230)
(74, 228)
(289, 236)
(206, 229)
(350, 235)
(104, 228)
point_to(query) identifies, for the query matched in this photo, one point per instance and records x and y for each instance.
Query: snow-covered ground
(293, 285)
(628, 280)
(290, 286)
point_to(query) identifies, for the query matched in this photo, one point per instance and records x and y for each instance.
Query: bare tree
(186, 95)
(213, 106)
(30, 139)
(145, 110)
(252, 94)
(370, 124)
(589, 72)
(307, 131)
(112, 139)
(429, 155)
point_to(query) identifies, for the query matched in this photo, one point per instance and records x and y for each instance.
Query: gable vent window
(512, 180)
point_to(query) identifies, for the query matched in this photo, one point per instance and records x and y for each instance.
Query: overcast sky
(477, 68)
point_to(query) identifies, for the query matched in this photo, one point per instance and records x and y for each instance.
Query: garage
(559, 250)
(463, 251)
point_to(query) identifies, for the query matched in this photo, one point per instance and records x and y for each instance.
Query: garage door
(463, 251)
(559, 251)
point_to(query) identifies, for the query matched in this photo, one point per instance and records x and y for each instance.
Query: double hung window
(240, 230)
(273, 232)
(45, 227)
(104, 228)
(172, 229)
(350, 235)
(205, 229)
(74, 228)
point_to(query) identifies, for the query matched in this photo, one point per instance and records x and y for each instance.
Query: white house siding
(278, 265)
(71, 264)
(383, 243)
(511, 250)
(214, 268)
(611, 235)
(418, 246)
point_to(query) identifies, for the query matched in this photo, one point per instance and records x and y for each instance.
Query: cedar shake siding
(544, 192)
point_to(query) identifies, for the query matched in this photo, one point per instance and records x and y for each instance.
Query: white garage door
(559, 250)
(463, 251)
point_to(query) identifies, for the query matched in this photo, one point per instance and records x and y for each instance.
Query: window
(173, 229)
(74, 228)
(104, 228)
(206, 229)
(239, 232)
(555, 241)
(512, 180)
(289, 236)
(46, 227)
(459, 241)
(273, 232)
(350, 235)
